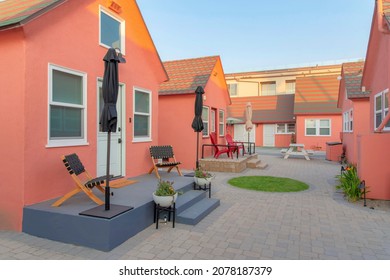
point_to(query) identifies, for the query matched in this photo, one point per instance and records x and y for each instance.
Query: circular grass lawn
(268, 184)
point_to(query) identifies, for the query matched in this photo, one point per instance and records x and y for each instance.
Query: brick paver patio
(314, 224)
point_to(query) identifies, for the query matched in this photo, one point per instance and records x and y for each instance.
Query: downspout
(380, 16)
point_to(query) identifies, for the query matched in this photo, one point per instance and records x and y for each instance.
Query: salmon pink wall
(12, 140)
(71, 41)
(282, 140)
(374, 164)
(311, 142)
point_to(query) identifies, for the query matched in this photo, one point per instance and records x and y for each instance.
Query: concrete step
(188, 199)
(252, 163)
(262, 165)
(195, 213)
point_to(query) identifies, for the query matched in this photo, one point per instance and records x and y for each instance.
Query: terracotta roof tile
(266, 109)
(13, 12)
(187, 74)
(316, 95)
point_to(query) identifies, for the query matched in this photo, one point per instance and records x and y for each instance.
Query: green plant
(165, 188)
(349, 183)
(199, 173)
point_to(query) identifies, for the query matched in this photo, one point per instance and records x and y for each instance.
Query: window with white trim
(232, 88)
(285, 128)
(67, 107)
(142, 115)
(290, 86)
(221, 123)
(317, 127)
(205, 119)
(381, 108)
(268, 88)
(112, 31)
(213, 112)
(348, 121)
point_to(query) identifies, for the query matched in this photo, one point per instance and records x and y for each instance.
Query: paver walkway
(313, 224)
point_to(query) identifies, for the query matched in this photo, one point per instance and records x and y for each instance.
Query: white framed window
(221, 120)
(268, 88)
(285, 128)
(142, 120)
(111, 30)
(290, 86)
(348, 121)
(381, 109)
(213, 120)
(205, 119)
(232, 89)
(317, 127)
(67, 107)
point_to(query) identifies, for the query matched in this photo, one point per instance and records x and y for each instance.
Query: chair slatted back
(161, 152)
(73, 164)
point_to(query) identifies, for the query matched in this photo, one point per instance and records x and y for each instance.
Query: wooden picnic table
(296, 150)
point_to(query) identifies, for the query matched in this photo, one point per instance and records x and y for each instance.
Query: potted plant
(165, 195)
(202, 177)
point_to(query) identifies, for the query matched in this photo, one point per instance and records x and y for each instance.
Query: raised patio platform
(235, 165)
(65, 224)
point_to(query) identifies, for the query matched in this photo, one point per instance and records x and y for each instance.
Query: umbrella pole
(197, 151)
(107, 189)
(249, 146)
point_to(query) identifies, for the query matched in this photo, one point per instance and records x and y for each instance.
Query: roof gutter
(380, 15)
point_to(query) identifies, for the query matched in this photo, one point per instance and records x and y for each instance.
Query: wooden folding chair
(85, 182)
(163, 157)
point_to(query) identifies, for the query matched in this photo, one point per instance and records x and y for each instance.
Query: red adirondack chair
(235, 144)
(220, 149)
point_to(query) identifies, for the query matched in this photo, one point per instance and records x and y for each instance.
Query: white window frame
(213, 120)
(269, 93)
(206, 123)
(383, 110)
(235, 91)
(290, 82)
(317, 127)
(137, 139)
(285, 130)
(221, 122)
(348, 121)
(65, 142)
(122, 29)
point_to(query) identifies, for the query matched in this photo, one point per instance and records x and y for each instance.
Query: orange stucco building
(51, 54)
(176, 106)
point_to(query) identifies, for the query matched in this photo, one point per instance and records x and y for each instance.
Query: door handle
(119, 129)
(119, 140)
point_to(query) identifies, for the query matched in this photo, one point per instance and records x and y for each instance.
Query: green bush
(349, 183)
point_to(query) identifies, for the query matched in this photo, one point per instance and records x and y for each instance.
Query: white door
(117, 141)
(269, 135)
(240, 134)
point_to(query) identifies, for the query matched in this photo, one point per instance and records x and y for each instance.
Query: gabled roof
(316, 95)
(187, 74)
(265, 109)
(17, 12)
(352, 73)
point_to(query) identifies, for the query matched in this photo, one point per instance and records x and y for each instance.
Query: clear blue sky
(260, 34)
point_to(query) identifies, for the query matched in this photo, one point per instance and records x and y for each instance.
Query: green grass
(268, 184)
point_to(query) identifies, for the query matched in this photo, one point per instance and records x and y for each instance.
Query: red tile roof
(266, 109)
(352, 73)
(316, 95)
(187, 74)
(17, 12)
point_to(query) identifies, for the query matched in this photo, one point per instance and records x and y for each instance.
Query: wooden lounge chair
(235, 144)
(85, 182)
(163, 157)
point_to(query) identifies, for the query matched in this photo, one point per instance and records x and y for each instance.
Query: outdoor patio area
(313, 224)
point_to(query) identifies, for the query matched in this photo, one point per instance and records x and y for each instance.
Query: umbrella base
(101, 212)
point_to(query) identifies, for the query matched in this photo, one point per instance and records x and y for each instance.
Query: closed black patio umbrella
(197, 123)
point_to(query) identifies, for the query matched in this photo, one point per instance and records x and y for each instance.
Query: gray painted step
(188, 199)
(198, 211)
